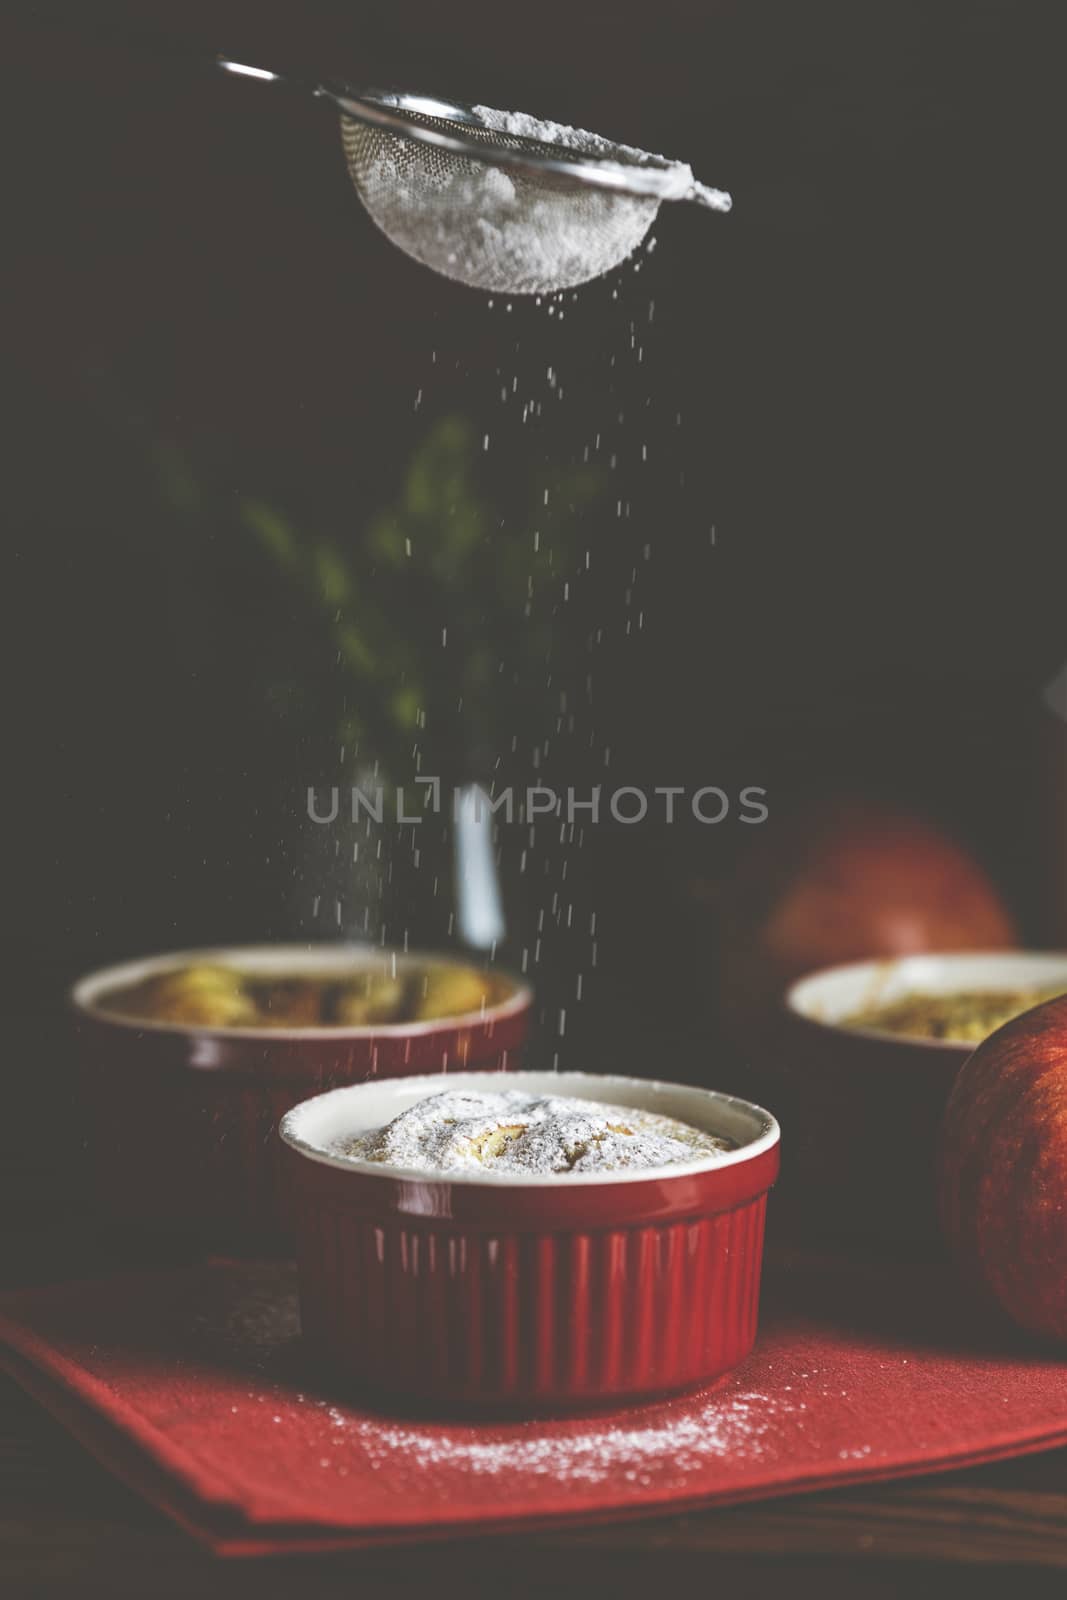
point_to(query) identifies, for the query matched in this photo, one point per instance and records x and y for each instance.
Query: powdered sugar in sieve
(497, 199)
(522, 206)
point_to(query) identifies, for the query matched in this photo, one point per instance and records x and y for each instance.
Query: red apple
(1004, 1168)
(841, 882)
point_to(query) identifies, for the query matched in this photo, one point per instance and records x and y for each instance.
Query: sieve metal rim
(396, 110)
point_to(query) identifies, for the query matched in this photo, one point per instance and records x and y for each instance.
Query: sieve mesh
(506, 229)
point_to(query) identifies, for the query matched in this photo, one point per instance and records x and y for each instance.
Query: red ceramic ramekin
(864, 1107)
(491, 1290)
(180, 1120)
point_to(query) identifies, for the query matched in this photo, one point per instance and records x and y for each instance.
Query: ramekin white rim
(590, 1085)
(878, 965)
(286, 960)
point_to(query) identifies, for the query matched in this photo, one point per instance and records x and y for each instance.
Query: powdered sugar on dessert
(511, 1131)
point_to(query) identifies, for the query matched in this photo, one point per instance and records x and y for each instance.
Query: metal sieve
(494, 208)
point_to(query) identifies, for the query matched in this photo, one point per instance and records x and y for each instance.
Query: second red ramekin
(488, 1290)
(180, 1120)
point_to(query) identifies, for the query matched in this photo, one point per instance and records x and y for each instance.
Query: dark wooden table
(68, 1528)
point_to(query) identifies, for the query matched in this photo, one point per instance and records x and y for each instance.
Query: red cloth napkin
(190, 1384)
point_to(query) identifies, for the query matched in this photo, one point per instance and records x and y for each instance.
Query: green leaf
(273, 532)
(331, 576)
(437, 477)
(387, 539)
(405, 704)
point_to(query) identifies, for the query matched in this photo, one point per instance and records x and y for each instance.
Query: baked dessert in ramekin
(862, 1068)
(475, 1286)
(187, 1061)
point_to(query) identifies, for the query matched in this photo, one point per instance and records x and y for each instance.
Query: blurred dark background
(220, 375)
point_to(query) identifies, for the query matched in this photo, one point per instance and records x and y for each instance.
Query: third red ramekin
(492, 1290)
(864, 1107)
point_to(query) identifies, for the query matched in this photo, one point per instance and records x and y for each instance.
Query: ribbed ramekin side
(439, 1311)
